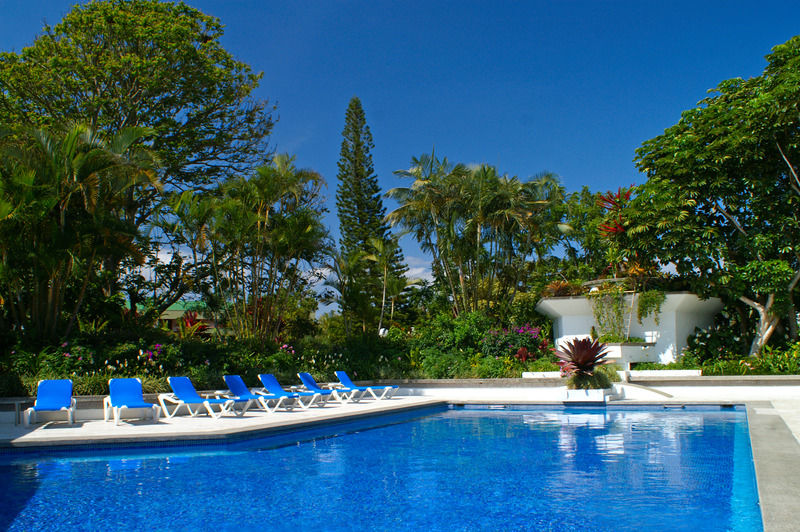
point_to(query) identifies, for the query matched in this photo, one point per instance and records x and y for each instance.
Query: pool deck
(773, 415)
(200, 428)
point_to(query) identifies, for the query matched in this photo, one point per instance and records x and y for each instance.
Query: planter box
(624, 354)
(587, 396)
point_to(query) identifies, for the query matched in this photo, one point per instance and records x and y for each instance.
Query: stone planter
(587, 396)
(624, 354)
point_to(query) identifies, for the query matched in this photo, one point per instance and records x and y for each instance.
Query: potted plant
(582, 363)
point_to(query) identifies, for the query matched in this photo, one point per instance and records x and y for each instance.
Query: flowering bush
(66, 359)
(523, 343)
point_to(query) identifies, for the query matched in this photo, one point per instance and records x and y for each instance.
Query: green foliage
(649, 304)
(468, 346)
(523, 311)
(582, 381)
(448, 333)
(487, 232)
(721, 197)
(364, 231)
(438, 364)
(721, 341)
(523, 342)
(619, 339)
(609, 308)
(63, 189)
(154, 67)
(719, 361)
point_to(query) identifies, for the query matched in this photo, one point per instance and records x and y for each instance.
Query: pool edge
(776, 458)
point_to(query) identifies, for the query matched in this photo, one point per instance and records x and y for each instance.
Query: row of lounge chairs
(126, 393)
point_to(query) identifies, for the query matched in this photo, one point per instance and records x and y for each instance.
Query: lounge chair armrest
(168, 397)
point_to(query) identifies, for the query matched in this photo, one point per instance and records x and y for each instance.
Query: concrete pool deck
(773, 415)
(200, 428)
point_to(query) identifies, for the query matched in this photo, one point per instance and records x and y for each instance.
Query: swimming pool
(452, 468)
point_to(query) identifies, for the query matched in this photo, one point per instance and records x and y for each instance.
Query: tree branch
(796, 184)
(730, 218)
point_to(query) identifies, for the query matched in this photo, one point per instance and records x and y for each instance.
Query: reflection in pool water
(455, 469)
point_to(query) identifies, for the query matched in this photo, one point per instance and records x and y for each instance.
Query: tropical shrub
(720, 341)
(578, 360)
(438, 364)
(525, 343)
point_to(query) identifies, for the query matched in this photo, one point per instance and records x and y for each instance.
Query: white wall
(680, 314)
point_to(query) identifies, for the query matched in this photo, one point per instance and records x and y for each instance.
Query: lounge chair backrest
(308, 381)
(270, 383)
(236, 385)
(54, 394)
(344, 378)
(184, 389)
(125, 391)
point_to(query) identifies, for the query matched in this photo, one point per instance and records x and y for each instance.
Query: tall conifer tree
(360, 207)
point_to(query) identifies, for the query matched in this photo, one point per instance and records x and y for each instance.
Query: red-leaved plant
(581, 356)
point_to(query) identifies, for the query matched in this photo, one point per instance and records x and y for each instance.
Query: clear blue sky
(571, 87)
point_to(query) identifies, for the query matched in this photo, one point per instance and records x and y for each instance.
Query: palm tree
(67, 188)
(383, 253)
(395, 286)
(425, 209)
(353, 302)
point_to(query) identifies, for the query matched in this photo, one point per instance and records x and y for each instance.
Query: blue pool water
(437, 469)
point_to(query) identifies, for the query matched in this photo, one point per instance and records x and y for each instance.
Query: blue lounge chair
(343, 395)
(126, 393)
(388, 391)
(239, 390)
(273, 387)
(52, 395)
(184, 394)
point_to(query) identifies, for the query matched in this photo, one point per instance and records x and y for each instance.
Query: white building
(680, 314)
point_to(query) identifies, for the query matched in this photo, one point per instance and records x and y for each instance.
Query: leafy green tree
(585, 250)
(360, 207)
(722, 194)
(58, 192)
(143, 63)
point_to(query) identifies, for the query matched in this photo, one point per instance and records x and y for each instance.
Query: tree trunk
(383, 299)
(766, 322)
(792, 318)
